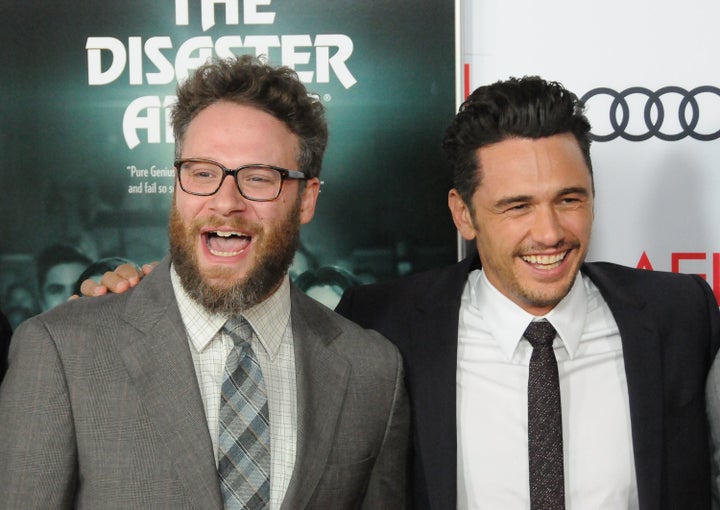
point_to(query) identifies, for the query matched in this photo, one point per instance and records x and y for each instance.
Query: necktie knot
(239, 329)
(540, 333)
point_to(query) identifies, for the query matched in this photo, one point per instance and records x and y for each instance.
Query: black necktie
(545, 445)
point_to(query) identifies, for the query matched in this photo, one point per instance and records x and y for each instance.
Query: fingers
(147, 268)
(122, 278)
(118, 281)
(92, 288)
(128, 272)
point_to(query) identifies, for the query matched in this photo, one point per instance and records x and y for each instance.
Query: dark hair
(528, 107)
(250, 81)
(56, 255)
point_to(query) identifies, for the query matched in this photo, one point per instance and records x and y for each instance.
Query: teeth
(225, 234)
(224, 253)
(545, 260)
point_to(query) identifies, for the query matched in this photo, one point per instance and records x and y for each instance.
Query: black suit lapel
(643, 368)
(431, 372)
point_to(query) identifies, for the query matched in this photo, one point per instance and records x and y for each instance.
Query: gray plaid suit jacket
(100, 408)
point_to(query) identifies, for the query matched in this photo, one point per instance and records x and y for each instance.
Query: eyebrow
(572, 190)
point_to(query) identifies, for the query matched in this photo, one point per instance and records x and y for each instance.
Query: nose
(228, 198)
(547, 226)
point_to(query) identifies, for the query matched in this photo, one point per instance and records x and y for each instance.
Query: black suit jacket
(670, 330)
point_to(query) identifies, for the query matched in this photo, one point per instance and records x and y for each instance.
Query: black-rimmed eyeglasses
(256, 182)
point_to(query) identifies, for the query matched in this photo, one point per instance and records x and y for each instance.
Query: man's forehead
(527, 154)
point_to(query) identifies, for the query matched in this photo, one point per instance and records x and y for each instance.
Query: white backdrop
(658, 194)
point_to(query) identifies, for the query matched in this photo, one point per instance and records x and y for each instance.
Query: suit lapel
(642, 355)
(431, 372)
(322, 378)
(158, 360)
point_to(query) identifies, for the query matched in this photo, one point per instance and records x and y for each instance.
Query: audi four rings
(688, 113)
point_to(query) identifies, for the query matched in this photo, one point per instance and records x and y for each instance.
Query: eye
(201, 174)
(258, 176)
(517, 208)
(572, 200)
(199, 171)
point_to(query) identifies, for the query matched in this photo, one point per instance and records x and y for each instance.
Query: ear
(461, 215)
(308, 199)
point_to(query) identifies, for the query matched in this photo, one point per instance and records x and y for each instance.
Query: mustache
(538, 248)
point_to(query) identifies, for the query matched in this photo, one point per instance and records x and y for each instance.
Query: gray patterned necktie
(244, 429)
(545, 443)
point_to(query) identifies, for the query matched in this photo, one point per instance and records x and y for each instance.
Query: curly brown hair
(250, 81)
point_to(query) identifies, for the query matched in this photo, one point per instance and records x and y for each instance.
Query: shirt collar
(268, 319)
(506, 321)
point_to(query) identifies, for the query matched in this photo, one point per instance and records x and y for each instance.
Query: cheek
(274, 212)
(261, 213)
(490, 246)
(581, 223)
(189, 206)
(504, 235)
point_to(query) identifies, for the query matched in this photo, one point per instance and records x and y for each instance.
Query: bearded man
(214, 383)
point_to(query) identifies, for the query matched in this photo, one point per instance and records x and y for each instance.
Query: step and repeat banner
(87, 152)
(648, 74)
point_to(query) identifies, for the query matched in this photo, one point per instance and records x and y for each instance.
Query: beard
(274, 252)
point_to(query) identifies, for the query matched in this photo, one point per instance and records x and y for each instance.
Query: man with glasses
(215, 383)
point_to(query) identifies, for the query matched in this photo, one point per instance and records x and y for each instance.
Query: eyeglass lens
(205, 178)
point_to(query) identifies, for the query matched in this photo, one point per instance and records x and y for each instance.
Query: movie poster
(88, 152)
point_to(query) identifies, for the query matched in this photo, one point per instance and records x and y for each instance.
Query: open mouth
(546, 262)
(222, 243)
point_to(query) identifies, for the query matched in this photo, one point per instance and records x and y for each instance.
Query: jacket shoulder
(346, 334)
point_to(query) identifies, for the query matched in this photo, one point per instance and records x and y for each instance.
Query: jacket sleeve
(38, 456)
(387, 488)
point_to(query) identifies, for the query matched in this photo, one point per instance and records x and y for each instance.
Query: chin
(222, 276)
(549, 298)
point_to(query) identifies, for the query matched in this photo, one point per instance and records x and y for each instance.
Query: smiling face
(531, 218)
(232, 253)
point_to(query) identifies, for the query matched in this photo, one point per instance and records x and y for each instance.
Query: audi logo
(657, 114)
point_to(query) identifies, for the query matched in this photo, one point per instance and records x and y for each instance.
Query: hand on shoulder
(124, 277)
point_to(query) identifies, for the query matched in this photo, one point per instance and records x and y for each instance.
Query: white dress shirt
(273, 345)
(492, 376)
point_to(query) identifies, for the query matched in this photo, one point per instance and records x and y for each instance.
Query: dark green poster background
(86, 154)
